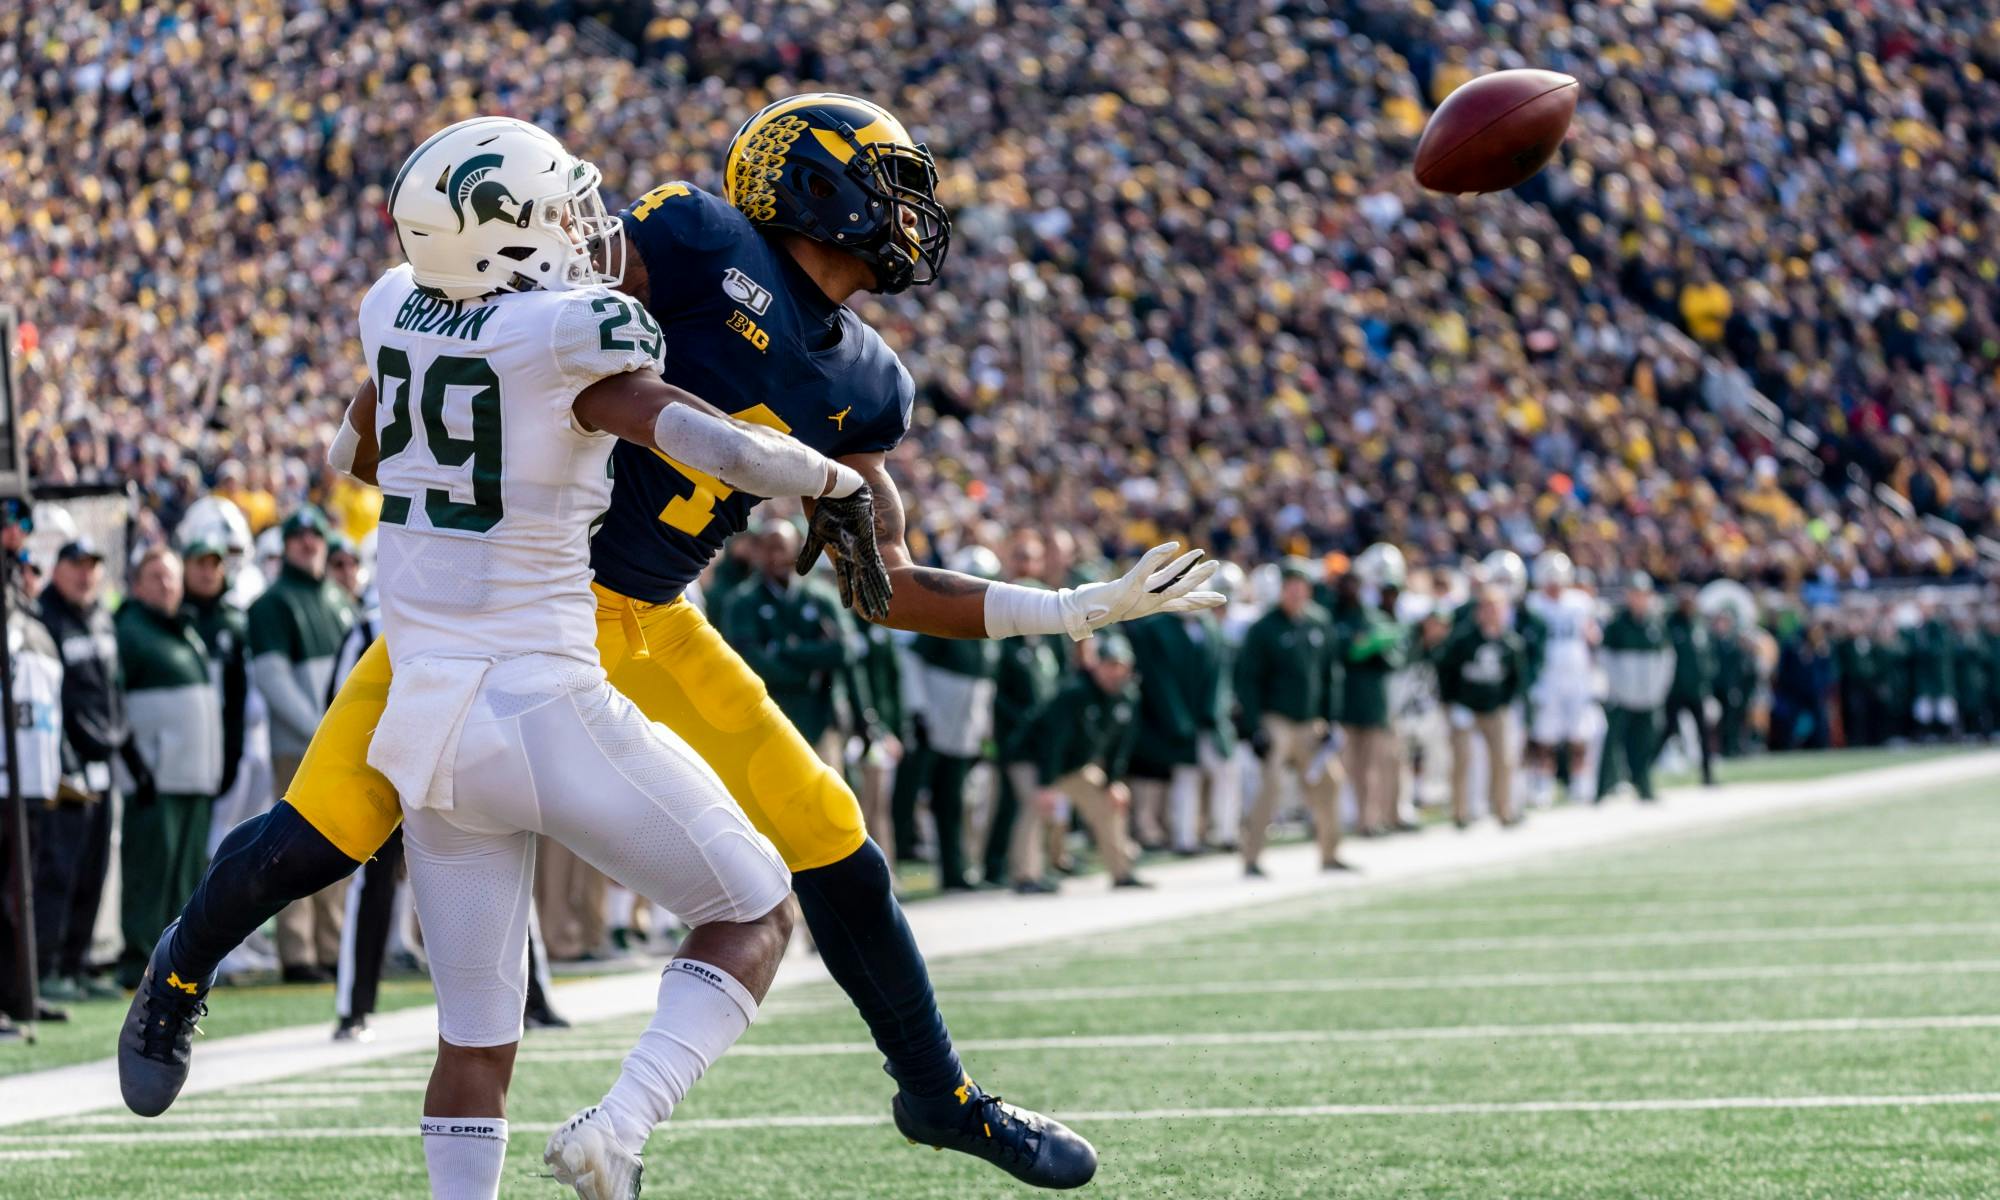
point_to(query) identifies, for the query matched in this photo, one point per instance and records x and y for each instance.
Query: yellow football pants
(668, 660)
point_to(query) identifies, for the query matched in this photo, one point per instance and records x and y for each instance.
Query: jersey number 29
(393, 380)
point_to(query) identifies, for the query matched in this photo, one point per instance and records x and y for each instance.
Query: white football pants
(550, 748)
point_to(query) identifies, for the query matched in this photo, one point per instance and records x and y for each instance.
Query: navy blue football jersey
(748, 331)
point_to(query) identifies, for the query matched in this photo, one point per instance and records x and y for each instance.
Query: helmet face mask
(497, 205)
(846, 174)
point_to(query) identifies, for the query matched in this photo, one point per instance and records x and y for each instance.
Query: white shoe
(585, 1155)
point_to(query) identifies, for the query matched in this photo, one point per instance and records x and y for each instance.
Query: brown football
(1496, 131)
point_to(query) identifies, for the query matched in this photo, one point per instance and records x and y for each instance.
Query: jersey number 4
(393, 380)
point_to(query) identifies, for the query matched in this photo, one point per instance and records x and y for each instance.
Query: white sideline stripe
(1197, 889)
(25, 1155)
(1274, 1112)
(1334, 944)
(1416, 1033)
(237, 1115)
(1524, 979)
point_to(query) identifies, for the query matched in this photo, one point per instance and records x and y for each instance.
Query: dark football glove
(845, 529)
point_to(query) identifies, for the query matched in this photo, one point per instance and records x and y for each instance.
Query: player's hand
(844, 527)
(1157, 583)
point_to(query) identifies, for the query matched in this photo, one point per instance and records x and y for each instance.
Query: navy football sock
(264, 864)
(869, 950)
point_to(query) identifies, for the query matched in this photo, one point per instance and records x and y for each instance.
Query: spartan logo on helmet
(468, 185)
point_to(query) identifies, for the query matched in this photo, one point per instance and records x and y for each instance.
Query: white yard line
(1455, 918)
(1694, 1030)
(1428, 983)
(1332, 944)
(987, 922)
(58, 1143)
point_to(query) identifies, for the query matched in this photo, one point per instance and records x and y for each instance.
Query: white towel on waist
(417, 741)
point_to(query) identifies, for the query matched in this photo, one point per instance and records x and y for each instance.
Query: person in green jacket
(1990, 634)
(1031, 669)
(1694, 676)
(1285, 693)
(225, 631)
(1970, 681)
(1873, 662)
(1185, 700)
(1735, 684)
(1934, 700)
(1637, 658)
(295, 629)
(881, 674)
(785, 628)
(1482, 672)
(175, 711)
(1371, 647)
(734, 569)
(951, 707)
(1083, 745)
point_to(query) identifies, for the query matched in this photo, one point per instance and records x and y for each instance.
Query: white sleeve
(598, 333)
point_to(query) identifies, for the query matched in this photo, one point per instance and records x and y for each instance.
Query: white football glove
(1153, 585)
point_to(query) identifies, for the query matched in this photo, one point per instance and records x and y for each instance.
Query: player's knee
(863, 877)
(470, 1080)
(775, 926)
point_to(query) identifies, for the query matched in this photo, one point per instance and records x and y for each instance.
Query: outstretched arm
(354, 451)
(949, 604)
(644, 409)
(926, 599)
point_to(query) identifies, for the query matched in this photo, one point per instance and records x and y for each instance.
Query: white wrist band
(846, 480)
(1013, 610)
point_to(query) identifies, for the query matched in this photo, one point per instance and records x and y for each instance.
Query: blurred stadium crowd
(1242, 321)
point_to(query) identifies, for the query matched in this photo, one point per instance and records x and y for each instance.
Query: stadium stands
(1252, 327)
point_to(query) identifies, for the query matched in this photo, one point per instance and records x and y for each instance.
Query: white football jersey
(1569, 618)
(489, 486)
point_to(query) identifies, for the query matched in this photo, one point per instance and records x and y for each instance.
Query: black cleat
(1034, 1149)
(154, 1045)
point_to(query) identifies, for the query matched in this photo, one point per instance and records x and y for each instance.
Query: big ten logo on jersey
(746, 291)
(749, 329)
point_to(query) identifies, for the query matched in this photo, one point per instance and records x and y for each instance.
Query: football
(1495, 132)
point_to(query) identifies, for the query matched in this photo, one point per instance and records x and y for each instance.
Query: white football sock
(464, 1156)
(701, 1013)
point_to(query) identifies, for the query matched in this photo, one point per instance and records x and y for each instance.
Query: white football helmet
(1553, 569)
(1380, 565)
(215, 521)
(54, 529)
(1505, 570)
(493, 204)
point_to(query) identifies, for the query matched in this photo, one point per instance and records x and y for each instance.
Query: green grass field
(1804, 1006)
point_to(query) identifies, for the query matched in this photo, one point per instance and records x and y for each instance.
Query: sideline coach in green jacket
(175, 712)
(296, 628)
(1482, 671)
(1285, 680)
